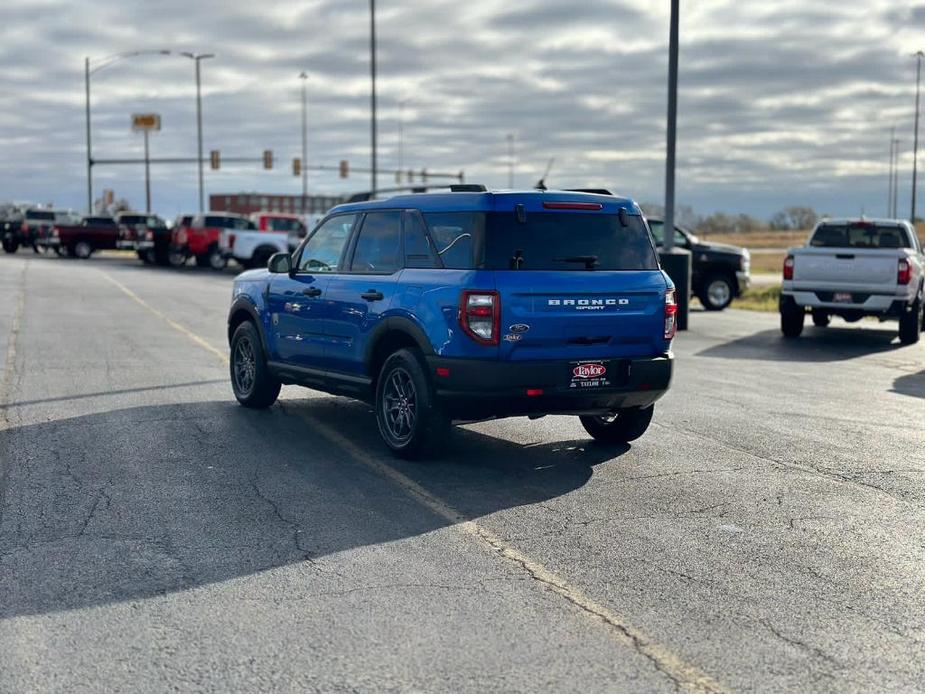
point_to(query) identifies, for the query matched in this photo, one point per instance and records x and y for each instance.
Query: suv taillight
(904, 272)
(788, 268)
(480, 315)
(671, 314)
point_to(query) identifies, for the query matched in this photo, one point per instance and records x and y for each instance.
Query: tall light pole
(401, 134)
(915, 146)
(895, 212)
(372, 94)
(510, 161)
(304, 77)
(672, 127)
(198, 58)
(91, 67)
(889, 188)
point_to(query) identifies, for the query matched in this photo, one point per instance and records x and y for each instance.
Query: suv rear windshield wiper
(590, 261)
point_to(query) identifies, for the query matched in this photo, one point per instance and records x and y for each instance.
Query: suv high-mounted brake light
(788, 268)
(671, 313)
(904, 272)
(480, 315)
(590, 206)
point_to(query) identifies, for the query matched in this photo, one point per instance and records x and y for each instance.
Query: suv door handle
(313, 291)
(373, 295)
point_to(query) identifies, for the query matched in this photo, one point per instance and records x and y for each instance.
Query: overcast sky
(785, 102)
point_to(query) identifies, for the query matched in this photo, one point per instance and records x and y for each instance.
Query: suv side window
(419, 249)
(378, 246)
(322, 251)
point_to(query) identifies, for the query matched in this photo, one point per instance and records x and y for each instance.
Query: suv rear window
(861, 235)
(545, 241)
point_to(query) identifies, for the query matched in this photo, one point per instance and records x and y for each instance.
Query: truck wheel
(910, 323)
(821, 319)
(10, 245)
(36, 249)
(619, 427)
(716, 293)
(410, 419)
(176, 258)
(216, 260)
(147, 257)
(791, 317)
(253, 384)
(83, 250)
(261, 258)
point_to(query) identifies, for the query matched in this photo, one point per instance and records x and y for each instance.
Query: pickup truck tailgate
(859, 267)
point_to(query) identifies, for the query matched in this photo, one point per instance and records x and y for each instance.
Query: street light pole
(895, 212)
(672, 127)
(915, 146)
(401, 135)
(198, 58)
(304, 77)
(89, 154)
(889, 188)
(372, 72)
(510, 161)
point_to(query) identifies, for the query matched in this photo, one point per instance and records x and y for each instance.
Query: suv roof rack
(595, 191)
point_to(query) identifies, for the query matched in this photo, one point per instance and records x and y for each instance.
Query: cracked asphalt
(766, 534)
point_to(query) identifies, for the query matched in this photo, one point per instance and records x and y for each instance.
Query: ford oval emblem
(519, 328)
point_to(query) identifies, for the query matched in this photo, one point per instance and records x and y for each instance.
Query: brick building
(248, 203)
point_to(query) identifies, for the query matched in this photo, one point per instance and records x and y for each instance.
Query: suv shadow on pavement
(831, 344)
(136, 503)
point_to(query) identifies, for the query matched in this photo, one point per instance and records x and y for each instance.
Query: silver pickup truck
(854, 268)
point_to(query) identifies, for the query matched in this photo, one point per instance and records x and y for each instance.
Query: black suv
(720, 271)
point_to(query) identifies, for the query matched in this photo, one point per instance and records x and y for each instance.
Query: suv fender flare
(397, 324)
(242, 305)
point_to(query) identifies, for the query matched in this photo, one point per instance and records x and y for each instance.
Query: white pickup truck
(274, 233)
(854, 268)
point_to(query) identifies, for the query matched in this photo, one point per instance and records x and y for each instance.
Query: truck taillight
(671, 314)
(788, 268)
(480, 315)
(24, 228)
(231, 240)
(55, 232)
(904, 272)
(149, 235)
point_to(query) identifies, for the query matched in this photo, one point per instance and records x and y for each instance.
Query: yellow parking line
(684, 674)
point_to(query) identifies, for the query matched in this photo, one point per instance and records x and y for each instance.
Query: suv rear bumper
(480, 389)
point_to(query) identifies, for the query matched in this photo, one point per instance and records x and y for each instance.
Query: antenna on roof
(541, 184)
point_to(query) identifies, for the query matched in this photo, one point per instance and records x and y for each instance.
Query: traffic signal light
(216, 159)
(296, 167)
(423, 175)
(344, 168)
(268, 158)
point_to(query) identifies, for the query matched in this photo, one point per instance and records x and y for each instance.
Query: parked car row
(210, 239)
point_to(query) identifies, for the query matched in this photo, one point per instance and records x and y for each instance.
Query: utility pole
(89, 155)
(147, 176)
(915, 146)
(401, 134)
(372, 95)
(304, 77)
(895, 212)
(889, 189)
(510, 161)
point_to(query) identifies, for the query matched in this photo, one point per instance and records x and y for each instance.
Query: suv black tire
(620, 427)
(792, 317)
(253, 384)
(821, 319)
(910, 323)
(716, 293)
(410, 419)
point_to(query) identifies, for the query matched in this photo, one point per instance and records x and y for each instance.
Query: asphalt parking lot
(766, 534)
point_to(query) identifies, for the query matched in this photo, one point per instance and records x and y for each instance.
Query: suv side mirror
(280, 264)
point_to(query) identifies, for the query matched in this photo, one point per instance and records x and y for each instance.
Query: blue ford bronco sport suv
(465, 306)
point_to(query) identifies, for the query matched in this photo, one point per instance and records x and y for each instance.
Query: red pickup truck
(200, 239)
(81, 240)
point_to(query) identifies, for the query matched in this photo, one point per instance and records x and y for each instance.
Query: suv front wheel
(620, 427)
(410, 419)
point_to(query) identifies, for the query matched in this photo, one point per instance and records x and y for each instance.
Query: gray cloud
(784, 103)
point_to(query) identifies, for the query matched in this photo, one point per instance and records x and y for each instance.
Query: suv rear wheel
(910, 323)
(619, 427)
(410, 419)
(251, 380)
